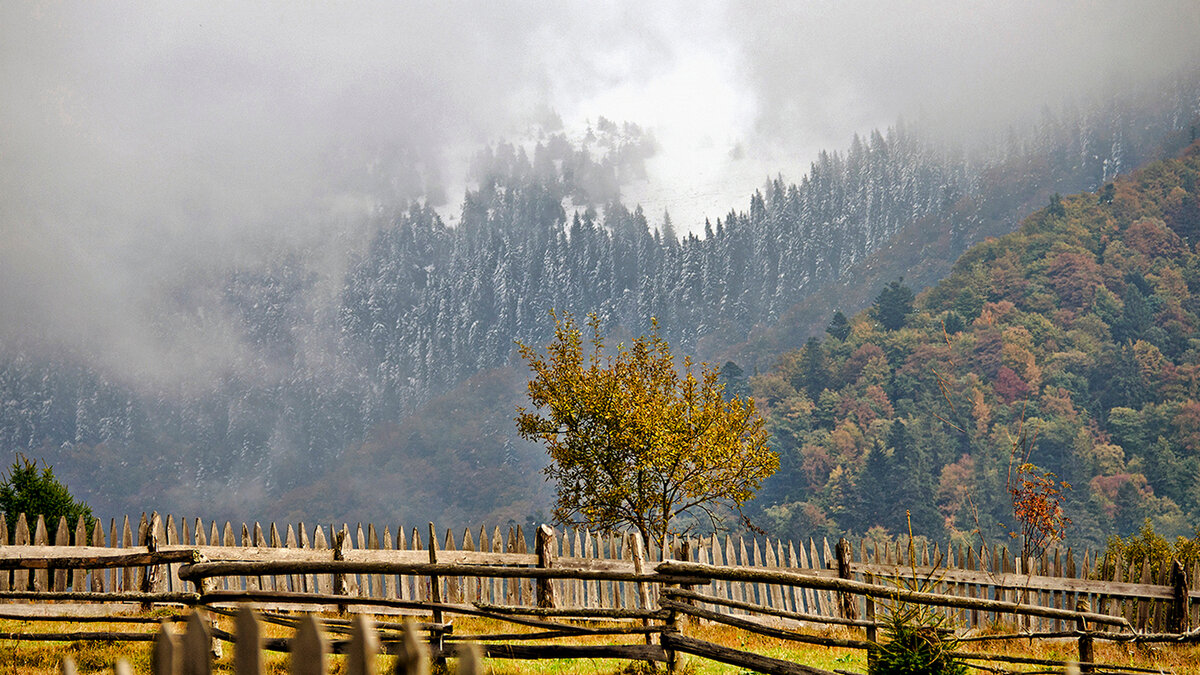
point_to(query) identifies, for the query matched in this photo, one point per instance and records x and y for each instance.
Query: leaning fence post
(1086, 653)
(844, 555)
(1177, 614)
(544, 543)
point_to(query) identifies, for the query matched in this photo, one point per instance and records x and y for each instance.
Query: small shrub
(916, 641)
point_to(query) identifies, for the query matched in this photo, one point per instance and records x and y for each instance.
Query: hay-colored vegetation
(42, 658)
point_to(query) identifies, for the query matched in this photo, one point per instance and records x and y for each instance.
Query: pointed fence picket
(1058, 579)
(191, 653)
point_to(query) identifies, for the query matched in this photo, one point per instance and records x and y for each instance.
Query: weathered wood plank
(389, 580)
(323, 583)
(197, 646)
(309, 648)
(1013, 581)
(499, 589)
(363, 647)
(1143, 605)
(171, 538)
(275, 542)
(404, 592)
(166, 658)
(79, 577)
(733, 657)
(247, 651)
(470, 584)
(100, 578)
(453, 582)
(5, 575)
(831, 585)
(41, 577)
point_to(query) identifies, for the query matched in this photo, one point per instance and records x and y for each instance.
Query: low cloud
(146, 147)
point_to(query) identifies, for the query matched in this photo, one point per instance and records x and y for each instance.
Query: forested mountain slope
(424, 306)
(1082, 329)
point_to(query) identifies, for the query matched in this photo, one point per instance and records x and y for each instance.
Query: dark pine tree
(913, 474)
(838, 326)
(893, 305)
(815, 370)
(876, 491)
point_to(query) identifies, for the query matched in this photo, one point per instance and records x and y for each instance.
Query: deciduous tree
(635, 441)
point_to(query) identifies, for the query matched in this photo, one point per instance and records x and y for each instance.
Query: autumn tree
(633, 440)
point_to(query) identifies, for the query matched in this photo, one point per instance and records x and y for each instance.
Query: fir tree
(893, 305)
(838, 326)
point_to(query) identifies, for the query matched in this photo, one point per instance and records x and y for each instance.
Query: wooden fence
(191, 651)
(577, 574)
(1057, 580)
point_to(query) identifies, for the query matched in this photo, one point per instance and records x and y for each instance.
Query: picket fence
(1056, 580)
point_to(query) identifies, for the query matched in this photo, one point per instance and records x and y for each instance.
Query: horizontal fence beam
(203, 570)
(1011, 581)
(875, 591)
(89, 557)
(733, 657)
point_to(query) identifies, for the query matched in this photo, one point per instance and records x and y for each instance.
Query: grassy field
(42, 658)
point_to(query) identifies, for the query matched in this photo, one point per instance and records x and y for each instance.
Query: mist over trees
(425, 305)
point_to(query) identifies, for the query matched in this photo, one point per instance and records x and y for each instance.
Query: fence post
(869, 601)
(247, 651)
(672, 628)
(436, 636)
(1177, 613)
(151, 573)
(166, 658)
(544, 543)
(844, 556)
(364, 645)
(435, 583)
(197, 646)
(1086, 654)
(413, 658)
(309, 648)
(339, 578)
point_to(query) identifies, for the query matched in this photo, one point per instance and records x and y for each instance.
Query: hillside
(322, 364)
(1080, 328)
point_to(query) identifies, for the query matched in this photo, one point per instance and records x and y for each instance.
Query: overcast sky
(139, 141)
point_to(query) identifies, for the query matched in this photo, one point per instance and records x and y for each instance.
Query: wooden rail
(587, 575)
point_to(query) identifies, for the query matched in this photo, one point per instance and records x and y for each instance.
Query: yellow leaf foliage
(633, 440)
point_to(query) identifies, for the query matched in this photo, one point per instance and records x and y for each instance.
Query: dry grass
(42, 658)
